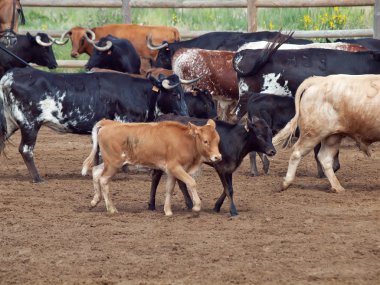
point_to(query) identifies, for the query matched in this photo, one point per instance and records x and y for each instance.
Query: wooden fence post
(126, 8)
(376, 20)
(252, 16)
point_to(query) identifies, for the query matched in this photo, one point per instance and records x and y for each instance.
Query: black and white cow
(236, 141)
(280, 72)
(30, 98)
(32, 49)
(229, 41)
(116, 54)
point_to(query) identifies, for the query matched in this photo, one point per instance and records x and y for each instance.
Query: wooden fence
(252, 7)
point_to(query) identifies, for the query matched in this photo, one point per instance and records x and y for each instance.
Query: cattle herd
(153, 100)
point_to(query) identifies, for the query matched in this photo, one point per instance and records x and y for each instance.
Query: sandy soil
(304, 235)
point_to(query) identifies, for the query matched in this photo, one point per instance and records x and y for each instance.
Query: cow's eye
(205, 141)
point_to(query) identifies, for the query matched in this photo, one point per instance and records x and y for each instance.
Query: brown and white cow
(327, 110)
(176, 149)
(136, 34)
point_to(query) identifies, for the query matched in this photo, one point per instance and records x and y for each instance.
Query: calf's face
(261, 136)
(207, 140)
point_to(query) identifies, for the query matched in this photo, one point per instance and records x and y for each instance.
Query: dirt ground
(304, 235)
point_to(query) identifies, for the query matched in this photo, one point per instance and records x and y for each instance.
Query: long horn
(91, 41)
(41, 43)
(166, 84)
(150, 44)
(61, 41)
(58, 42)
(184, 81)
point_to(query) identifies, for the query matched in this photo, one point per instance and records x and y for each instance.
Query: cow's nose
(74, 54)
(271, 152)
(216, 157)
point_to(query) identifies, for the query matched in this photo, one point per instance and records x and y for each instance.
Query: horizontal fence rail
(252, 7)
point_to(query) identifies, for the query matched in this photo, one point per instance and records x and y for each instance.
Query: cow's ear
(211, 123)
(30, 37)
(246, 124)
(193, 129)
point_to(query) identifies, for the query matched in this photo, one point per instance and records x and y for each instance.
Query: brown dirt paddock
(302, 236)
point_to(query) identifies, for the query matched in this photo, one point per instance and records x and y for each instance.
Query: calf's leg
(336, 164)
(226, 179)
(252, 159)
(179, 173)
(96, 172)
(170, 183)
(107, 173)
(265, 161)
(156, 177)
(329, 148)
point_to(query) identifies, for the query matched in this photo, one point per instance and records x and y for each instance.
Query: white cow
(327, 110)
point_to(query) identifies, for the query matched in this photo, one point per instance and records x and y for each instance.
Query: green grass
(213, 19)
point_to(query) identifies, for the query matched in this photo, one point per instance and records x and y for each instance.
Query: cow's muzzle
(270, 152)
(216, 157)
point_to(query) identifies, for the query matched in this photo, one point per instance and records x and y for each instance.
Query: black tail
(21, 14)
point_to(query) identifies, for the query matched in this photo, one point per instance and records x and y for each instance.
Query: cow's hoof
(196, 208)
(337, 189)
(254, 173)
(113, 211)
(168, 213)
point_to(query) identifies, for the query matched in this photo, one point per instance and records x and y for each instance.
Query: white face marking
(273, 87)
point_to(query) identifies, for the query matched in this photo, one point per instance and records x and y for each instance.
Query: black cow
(200, 104)
(31, 49)
(116, 54)
(30, 98)
(282, 71)
(229, 41)
(236, 141)
(277, 111)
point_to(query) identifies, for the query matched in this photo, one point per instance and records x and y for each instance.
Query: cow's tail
(284, 137)
(90, 160)
(5, 86)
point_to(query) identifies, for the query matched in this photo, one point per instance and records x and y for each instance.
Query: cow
(236, 141)
(369, 43)
(31, 49)
(200, 104)
(218, 75)
(174, 148)
(347, 107)
(116, 54)
(10, 10)
(229, 41)
(73, 103)
(277, 111)
(136, 34)
(280, 72)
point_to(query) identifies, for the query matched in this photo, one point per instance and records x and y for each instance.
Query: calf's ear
(211, 123)
(193, 129)
(246, 124)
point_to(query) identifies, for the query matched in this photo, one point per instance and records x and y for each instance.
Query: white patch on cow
(272, 86)
(118, 118)
(48, 107)
(27, 149)
(18, 114)
(243, 87)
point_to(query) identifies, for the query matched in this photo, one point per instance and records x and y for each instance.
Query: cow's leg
(182, 175)
(28, 141)
(329, 149)
(252, 159)
(96, 173)
(186, 195)
(336, 164)
(105, 177)
(219, 202)
(226, 179)
(170, 183)
(156, 177)
(301, 148)
(265, 161)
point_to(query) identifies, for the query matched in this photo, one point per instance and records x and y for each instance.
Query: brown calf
(176, 149)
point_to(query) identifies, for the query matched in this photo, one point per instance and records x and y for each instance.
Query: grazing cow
(280, 72)
(348, 105)
(30, 98)
(136, 34)
(236, 141)
(34, 49)
(176, 149)
(229, 41)
(116, 54)
(277, 112)
(10, 10)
